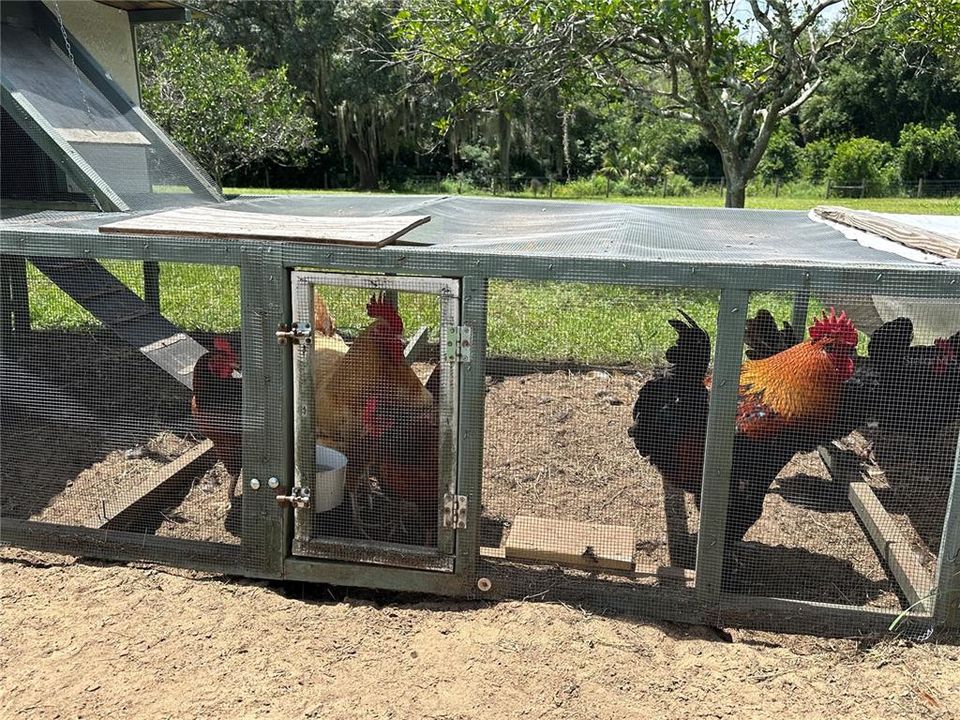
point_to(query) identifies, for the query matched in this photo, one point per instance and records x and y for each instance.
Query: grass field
(907, 205)
(598, 324)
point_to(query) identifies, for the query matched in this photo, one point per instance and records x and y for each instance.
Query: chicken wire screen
(597, 404)
(119, 414)
(855, 429)
(563, 486)
(376, 418)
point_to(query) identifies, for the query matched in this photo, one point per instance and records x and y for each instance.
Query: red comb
(222, 345)
(378, 308)
(834, 326)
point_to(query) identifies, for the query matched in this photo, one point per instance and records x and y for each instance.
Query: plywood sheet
(207, 222)
(578, 544)
(900, 232)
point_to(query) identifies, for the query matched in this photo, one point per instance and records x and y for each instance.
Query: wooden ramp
(125, 313)
(575, 544)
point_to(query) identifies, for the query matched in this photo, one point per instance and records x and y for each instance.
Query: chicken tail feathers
(690, 354)
(763, 338)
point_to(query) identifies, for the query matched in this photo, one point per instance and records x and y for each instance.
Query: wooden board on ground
(210, 222)
(577, 544)
(915, 581)
(134, 501)
(900, 232)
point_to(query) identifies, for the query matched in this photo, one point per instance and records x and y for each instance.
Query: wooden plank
(103, 137)
(123, 546)
(899, 232)
(576, 544)
(135, 500)
(219, 222)
(123, 311)
(373, 553)
(914, 580)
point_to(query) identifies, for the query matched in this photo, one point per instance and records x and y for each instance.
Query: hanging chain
(66, 41)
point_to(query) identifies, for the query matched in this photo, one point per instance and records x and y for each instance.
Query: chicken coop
(673, 413)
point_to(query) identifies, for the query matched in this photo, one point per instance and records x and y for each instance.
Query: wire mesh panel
(844, 451)
(592, 469)
(375, 418)
(117, 414)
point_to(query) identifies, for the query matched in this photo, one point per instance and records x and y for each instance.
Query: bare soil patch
(93, 640)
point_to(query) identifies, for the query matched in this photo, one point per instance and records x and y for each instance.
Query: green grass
(761, 201)
(586, 323)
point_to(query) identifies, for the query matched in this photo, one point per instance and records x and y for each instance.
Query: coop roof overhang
(147, 11)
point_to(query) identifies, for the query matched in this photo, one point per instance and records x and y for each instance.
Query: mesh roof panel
(554, 228)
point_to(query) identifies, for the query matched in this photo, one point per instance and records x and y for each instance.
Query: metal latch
(299, 497)
(297, 333)
(455, 511)
(458, 344)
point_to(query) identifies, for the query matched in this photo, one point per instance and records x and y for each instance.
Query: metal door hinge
(299, 332)
(455, 511)
(459, 344)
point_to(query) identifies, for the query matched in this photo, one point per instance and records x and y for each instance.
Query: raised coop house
(473, 397)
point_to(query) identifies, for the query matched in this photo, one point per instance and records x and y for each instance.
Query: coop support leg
(947, 601)
(151, 284)
(718, 450)
(801, 303)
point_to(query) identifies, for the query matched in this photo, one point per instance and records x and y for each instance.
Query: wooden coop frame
(265, 267)
(269, 248)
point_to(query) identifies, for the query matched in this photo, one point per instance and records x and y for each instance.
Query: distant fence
(665, 186)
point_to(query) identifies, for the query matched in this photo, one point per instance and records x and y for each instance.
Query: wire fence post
(920, 187)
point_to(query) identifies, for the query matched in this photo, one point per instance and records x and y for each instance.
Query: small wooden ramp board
(212, 222)
(125, 313)
(577, 544)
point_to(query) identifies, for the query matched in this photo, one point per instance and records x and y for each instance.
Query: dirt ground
(83, 639)
(94, 640)
(555, 447)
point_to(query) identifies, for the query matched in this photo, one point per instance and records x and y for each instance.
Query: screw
(484, 584)
(273, 483)
(254, 484)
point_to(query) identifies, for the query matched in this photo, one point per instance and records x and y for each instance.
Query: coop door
(375, 418)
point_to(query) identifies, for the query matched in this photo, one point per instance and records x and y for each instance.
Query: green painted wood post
(473, 314)
(267, 410)
(801, 305)
(718, 451)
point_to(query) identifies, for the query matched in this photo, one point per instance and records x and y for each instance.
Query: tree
(927, 152)
(364, 111)
(211, 103)
(864, 160)
(733, 75)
